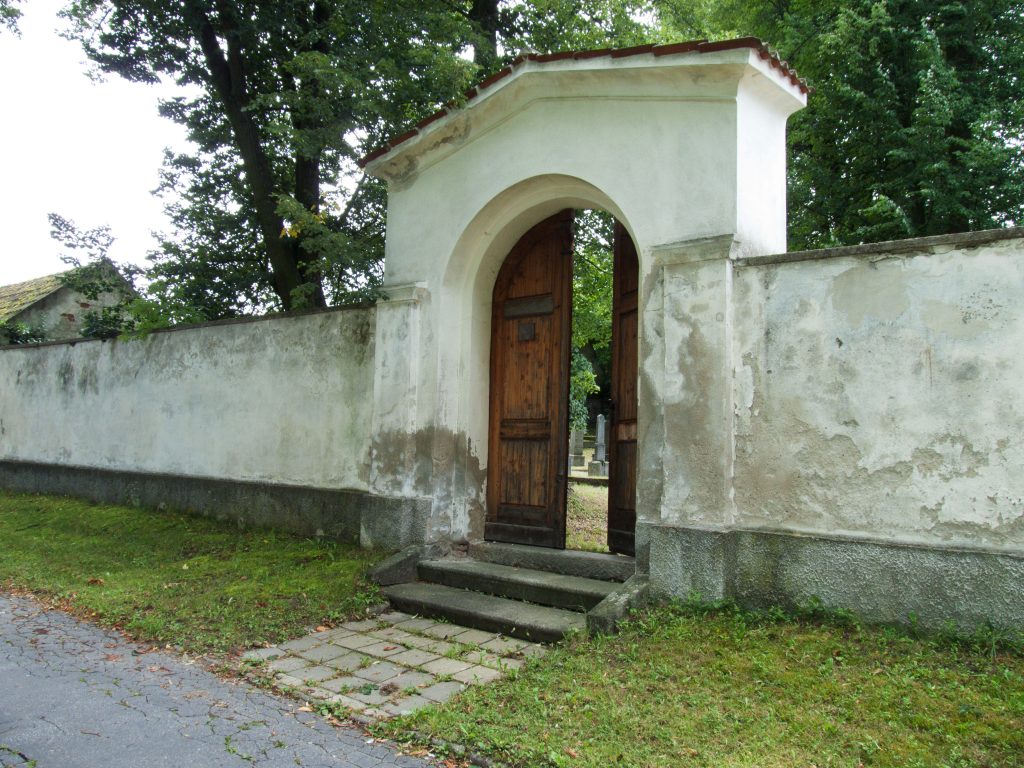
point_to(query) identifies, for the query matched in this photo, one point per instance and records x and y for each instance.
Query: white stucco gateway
(684, 145)
(751, 482)
(841, 425)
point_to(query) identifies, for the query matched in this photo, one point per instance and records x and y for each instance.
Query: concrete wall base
(892, 583)
(343, 515)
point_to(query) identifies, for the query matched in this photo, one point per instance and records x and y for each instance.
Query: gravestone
(576, 458)
(599, 466)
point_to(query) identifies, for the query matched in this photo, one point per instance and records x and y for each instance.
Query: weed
(231, 749)
(333, 709)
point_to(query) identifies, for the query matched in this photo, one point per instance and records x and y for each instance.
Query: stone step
(525, 621)
(573, 593)
(570, 562)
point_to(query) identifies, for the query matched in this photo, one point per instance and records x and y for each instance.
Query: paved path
(75, 696)
(392, 664)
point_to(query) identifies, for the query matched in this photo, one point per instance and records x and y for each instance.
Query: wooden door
(622, 443)
(529, 403)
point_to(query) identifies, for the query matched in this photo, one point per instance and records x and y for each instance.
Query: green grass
(723, 689)
(177, 579)
(586, 523)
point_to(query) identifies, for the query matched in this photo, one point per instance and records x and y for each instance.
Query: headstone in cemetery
(599, 466)
(576, 458)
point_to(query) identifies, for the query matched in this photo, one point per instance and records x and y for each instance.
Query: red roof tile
(690, 46)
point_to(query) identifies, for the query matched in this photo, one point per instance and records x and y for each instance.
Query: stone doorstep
(372, 669)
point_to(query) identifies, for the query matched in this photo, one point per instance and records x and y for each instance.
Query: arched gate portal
(529, 390)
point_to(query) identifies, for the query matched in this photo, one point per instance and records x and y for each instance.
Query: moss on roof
(20, 296)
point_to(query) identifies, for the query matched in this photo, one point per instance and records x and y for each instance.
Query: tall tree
(916, 125)
(502, 29)
(283, 93)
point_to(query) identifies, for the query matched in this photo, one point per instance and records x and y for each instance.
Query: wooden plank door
(622, 443)
(529, 402)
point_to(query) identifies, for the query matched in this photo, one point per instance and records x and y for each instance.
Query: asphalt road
(75, 696)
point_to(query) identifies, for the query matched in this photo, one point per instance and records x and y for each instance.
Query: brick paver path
(392, 664)
(75, 696)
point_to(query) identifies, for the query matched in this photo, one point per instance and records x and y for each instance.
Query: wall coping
(243, 320)
(889, 247)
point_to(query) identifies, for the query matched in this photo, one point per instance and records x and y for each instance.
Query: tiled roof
(20, 296)
(689, 47)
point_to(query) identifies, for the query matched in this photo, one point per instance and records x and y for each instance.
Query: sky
(88, 151)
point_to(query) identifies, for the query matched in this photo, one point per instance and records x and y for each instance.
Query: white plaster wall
(281, 400)
(880, 396)
(653, 142)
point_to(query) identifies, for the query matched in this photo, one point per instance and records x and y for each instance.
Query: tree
(593, 260)
(504, 29)
(915, 126)
(9, 15)
(283, 94)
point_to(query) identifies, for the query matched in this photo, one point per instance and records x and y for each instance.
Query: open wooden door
(529, 402)
(622, 443)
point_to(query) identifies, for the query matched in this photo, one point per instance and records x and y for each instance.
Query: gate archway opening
(563, 351)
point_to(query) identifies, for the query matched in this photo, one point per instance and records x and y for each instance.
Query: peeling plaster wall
(655, 142)
(878, 395)
(280, 400)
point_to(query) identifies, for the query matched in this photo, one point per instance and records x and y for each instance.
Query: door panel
(529, 401)
(622, 445)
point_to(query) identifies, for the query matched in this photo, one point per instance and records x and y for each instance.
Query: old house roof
(691, 47)
(20, 296)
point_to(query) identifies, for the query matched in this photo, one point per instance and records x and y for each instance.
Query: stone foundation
(892, 583)
(339, 514)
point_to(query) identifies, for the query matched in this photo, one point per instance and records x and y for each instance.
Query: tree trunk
(484, 17)
(227, 74)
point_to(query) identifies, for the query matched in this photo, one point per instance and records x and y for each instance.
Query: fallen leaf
(95, 582)
(112, 657)
(390, 647)
(110, 645)
(40, 631)
(571, 752)
(322, 628)
(305, 708)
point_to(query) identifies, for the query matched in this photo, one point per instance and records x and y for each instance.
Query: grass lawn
(586, 521)
(683, 689)
(172, 578)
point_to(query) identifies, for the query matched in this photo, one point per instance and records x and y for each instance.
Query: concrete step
(493, 614)
(573, 593)
(588, 565)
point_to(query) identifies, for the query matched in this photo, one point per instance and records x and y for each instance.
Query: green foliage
(545, 26)
(915, 125)
(14, 332)
(173, 578)
(283, 97)
(9, 15)
(590, 368)
(582, 383)
(592, 279)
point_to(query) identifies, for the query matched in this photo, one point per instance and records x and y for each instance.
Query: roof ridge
(662, 49)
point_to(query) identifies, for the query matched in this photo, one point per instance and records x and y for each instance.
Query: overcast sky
(88, 151)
